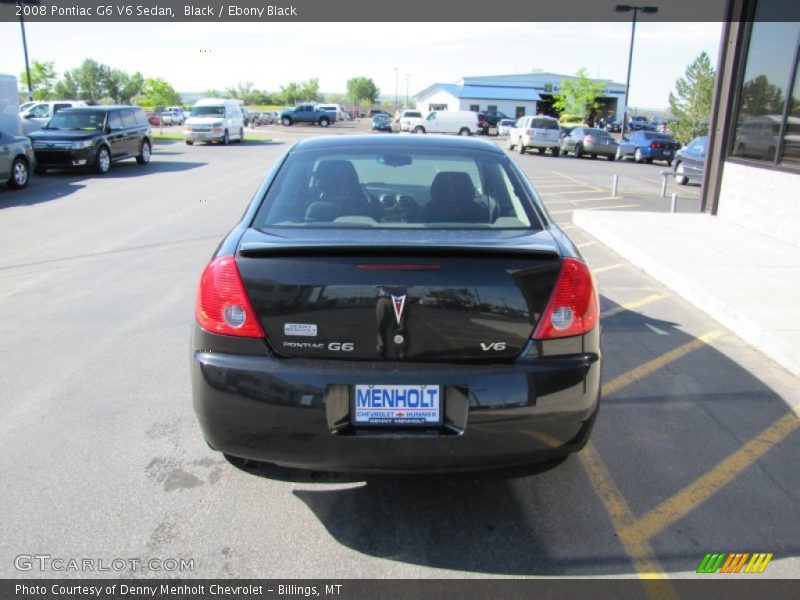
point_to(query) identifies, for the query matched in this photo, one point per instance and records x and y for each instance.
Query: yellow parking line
(571, 192)
(659, 362)
(608, 268)
(577, 180)
(568, 226)
(709, 484)
(592, 243)
(622, 519)
(560, 185)
(630, 305)
(559, 212)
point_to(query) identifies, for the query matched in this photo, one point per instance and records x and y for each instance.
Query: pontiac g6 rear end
(396, 305)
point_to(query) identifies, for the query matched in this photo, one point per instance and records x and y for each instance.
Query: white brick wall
(763, 200)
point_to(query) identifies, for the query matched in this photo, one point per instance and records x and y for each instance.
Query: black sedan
(396, 304)
(690, 161)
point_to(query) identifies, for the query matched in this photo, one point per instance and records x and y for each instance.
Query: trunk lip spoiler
(256, 249)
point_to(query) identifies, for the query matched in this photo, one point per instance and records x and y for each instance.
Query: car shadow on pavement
(676, 418)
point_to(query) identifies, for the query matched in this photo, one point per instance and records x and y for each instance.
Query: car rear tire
(556, 152)
(509, 143)
(189, 142)
(611, 157)
(521, 148)
(286, 121)
(226, 138)
(324, 122)
(540, 150)
(144, 153)
(637, 155)
(419, 130)
(20, 174)
(680, 177)
(464, 131)
(241, 136)
(618, 155)
(102, 161)
(578, 151)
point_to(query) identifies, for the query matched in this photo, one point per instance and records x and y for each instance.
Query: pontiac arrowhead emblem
(399, 303)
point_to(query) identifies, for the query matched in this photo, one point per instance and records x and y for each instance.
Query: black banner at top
(448, 11)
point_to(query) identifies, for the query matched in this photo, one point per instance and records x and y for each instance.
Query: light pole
(408, 76)
(647, 10)
(396, 79)
(20, 3)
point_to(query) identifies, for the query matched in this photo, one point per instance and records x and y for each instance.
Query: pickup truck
(307, 113)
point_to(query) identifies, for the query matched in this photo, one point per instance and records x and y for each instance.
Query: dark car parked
(589, 141)
(16, 160)
(490, 120)
(382, 122)
(92, 137)
(396, 303)
(647, 146)
(690, 161)
(613, 126)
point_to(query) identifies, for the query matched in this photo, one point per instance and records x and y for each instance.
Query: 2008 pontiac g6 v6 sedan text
(396, 304)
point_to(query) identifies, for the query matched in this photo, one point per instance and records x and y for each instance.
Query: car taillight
(573, 308)
(222, 304)
(527, 132)
(655, 145)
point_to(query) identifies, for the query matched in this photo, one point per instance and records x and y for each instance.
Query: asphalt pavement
(694, 450)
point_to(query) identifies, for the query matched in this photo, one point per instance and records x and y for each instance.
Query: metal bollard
(614, 186)
(664, 185)
(674, 207)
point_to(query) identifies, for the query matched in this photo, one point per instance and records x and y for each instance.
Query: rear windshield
(596, 132)
(398, 188)
(208, 111)
(651, 135)
(78, 120)
(413, 114)
(544, 124)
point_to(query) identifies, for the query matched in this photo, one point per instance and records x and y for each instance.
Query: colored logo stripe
(733, 563)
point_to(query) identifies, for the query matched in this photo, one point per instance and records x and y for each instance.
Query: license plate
(396, 405)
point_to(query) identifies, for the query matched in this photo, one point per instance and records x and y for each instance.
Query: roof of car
(398, 141)
(97, 107)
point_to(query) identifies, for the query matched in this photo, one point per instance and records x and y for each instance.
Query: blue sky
(271, 54)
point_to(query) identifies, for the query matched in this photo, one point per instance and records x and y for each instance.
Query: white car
(172, 116)
(407, 119)
(542, 133)
(504, 126)
(36, 116)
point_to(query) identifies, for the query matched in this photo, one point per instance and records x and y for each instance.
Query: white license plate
(396, 405)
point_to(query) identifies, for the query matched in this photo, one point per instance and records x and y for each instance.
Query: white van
(461, 122)
(9, 111)
(37, 115)
(334, 108)
(214, 120)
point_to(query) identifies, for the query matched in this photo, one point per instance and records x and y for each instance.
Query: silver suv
(542, 133)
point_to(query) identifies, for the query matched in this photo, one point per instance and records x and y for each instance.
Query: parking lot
(694, 450)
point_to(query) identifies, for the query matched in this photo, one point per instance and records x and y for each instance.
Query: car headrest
(321, 211)
(337, 177)
(453, 186)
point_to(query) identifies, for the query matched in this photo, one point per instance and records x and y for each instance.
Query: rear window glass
(399, 188)
(544, 124)
(413, 114)
(651, 135)
(597, 132)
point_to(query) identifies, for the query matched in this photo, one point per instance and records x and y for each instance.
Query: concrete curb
(745, 327)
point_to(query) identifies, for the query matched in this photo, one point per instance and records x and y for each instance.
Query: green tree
(131, 87)
(91, 78)
(159, 93)
(362, 88)
(691, 102)
(67, 88)
(578, 96)
(290, 93)
(309, 90)
(760, 97)
(43, 80)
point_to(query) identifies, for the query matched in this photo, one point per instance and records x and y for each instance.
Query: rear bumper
(295, 412)
(533, 142)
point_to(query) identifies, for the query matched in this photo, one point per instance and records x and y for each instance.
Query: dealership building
(515, 95)
(753, 163)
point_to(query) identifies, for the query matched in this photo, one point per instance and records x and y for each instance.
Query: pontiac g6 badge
(399, 302)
